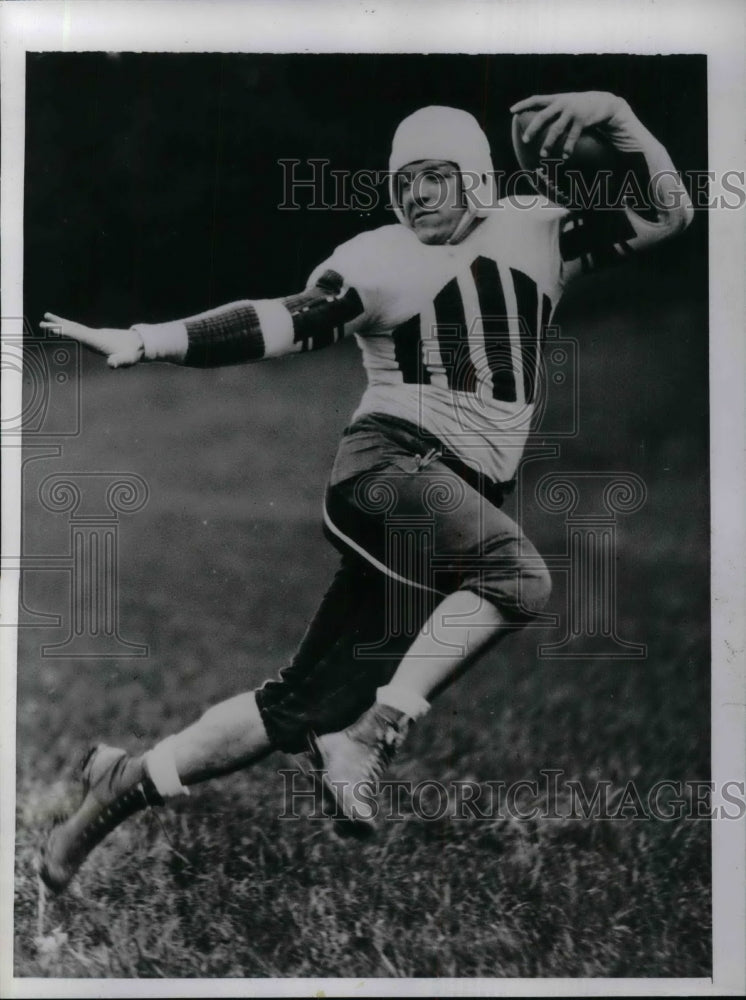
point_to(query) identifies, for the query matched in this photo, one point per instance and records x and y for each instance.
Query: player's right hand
(121, 347)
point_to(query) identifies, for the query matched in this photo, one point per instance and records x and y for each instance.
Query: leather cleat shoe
(115, 786)
(349, 764)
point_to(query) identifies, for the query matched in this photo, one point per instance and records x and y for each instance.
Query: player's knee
(516, 579)
(526, 595)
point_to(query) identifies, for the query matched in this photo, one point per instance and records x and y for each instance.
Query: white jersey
(451, 335)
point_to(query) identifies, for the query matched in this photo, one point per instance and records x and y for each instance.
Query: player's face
(431, 198)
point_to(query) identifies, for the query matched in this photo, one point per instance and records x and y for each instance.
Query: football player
(448, 306)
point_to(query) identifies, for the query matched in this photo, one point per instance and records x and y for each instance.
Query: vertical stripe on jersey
(433, 363)
(408, 352)
(475, 331)
(453, 338)
(527, 301)
(496, 328)
(546, 312)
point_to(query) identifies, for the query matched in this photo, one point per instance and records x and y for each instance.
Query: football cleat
(349, 765)
(115, 786)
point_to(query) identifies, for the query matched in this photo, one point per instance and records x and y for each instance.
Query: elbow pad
(320, 312)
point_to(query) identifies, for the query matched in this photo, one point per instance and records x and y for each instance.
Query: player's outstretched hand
(569, 115)
(121, 347)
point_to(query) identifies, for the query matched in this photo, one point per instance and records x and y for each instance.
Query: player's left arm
(610, 232)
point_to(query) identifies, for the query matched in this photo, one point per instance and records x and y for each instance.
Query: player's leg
(243, 729)
(230, 735)
(341, 682)
(490, 579)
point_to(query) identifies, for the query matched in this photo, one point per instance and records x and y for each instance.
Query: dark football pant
(413, 525)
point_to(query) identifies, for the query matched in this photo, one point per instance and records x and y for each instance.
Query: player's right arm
(607, 235)
(237, 333)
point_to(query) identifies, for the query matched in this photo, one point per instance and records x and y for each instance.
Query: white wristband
(164, 341)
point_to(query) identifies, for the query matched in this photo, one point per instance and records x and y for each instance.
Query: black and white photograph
(372, 502)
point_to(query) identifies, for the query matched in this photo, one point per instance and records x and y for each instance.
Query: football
(591, 177)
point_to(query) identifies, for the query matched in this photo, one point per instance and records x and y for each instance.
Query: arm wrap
(226, 336)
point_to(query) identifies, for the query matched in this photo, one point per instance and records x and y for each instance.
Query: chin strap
(468, 222)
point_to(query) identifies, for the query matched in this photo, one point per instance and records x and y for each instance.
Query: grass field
(219, 574)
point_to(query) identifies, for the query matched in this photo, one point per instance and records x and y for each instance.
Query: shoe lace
(383, 751)
(124, 804)
(112, 815)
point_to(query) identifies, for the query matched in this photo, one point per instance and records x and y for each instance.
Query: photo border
(538, 26)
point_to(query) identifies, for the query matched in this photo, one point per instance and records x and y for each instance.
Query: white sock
(161, 767)
(404, 700)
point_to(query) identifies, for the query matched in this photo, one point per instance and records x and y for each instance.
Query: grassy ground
(219, 574)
